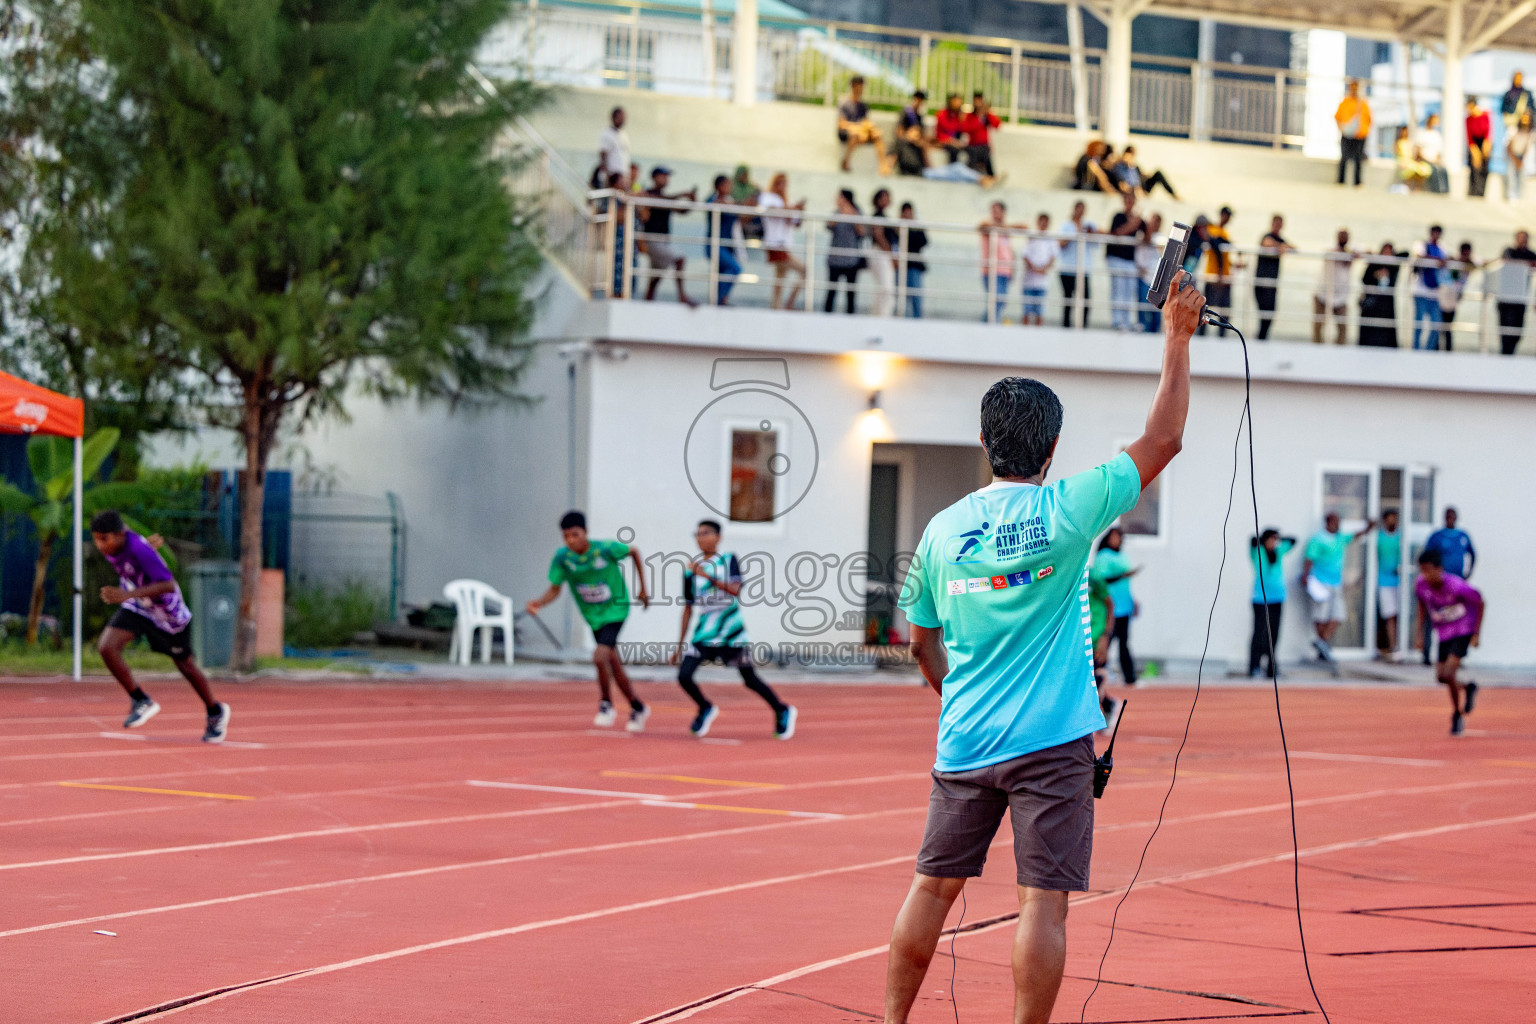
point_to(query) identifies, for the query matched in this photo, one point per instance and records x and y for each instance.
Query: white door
(1418, 524)
(1351, 491)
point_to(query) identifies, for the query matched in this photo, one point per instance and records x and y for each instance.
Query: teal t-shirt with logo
(1326, 550)
(1389, 555)
(1110, 562)
(1004, 573)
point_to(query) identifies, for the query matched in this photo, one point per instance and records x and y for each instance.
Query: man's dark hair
(919, 95)
(1020, 421)
(908, 206)
(573, 520)
(615, 112)
(978, 95)
(1225, 211)
(711, 524)
(856, 80)
(1436, 229)
(721, 179)
(1430, 556)
(107, 522)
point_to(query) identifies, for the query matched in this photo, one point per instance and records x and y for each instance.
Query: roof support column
(1078, 70)
(1453, 100)
(744, 54)
(1115, 116)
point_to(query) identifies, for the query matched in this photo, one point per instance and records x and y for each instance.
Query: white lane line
(184, 741)
(436, 870)
(1414, 762)
(312, 744)
(412, 724)
(565, 789)
(741, 810)
(554, 922)
(695, 1007)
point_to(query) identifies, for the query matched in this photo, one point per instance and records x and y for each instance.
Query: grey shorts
(663, 256)
(1049, 797)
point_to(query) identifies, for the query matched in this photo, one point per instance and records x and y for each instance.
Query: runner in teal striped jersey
(711, 584)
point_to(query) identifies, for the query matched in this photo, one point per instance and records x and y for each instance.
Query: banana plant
(52, 509)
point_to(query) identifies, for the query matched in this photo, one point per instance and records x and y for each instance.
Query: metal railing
(687, 51)
(959, 274)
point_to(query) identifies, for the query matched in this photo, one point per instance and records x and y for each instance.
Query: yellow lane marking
(740, 810)
(693, 779)
(163, 792)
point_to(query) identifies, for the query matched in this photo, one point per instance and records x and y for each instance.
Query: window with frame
(754, 458)
(1145, 520)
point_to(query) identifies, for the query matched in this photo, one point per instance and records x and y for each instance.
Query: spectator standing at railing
(996, 260)
(1453, 282)
(855, 128)
(1218, 267)
(1516, 145)
(978, 125)
(1479, 147)
(723, 226)
(1266, 273)
(1332, 296)
(844, 261)
(1040, 255)
(779, 223)
(1428, 269)
(1378, 300)
(1148, 254)
(949, 127)
(1120, 258)
(1514, 291)
(658, 231)
(1432, 151)
(1076, 258)
(916, 242)
(882, 255)
(612, 150)
(1353, 117)
(1516, 101)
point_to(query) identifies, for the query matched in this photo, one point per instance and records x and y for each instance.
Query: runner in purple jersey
(1455, 608)
(150, 607)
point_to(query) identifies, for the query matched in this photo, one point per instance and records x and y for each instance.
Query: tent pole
(79, 554)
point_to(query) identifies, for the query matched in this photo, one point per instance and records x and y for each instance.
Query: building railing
(688, 51)
(617, 255)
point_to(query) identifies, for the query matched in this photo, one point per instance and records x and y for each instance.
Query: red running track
(336, 862)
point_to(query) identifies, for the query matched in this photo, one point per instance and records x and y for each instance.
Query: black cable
(1246, 415)
(1274, 678)
(954, 961)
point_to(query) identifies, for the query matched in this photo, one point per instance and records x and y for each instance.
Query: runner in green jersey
(711, 584)
(593, 569)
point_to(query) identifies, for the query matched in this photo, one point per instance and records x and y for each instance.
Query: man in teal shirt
(997, 598)
(1389, 556)
(1324, 577)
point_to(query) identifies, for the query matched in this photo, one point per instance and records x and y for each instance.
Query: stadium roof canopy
(1485, 24)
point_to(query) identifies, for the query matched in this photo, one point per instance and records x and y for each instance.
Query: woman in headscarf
(1378, 300)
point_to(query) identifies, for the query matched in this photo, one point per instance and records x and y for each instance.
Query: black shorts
(730, 657)
(607, 635)
(1457, 645)
(176, 646)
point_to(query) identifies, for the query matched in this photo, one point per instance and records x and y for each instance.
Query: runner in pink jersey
(1455, 608)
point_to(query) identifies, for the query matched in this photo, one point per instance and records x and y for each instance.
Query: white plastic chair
(475, 602)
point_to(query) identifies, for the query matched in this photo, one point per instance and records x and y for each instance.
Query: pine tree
(314, 209)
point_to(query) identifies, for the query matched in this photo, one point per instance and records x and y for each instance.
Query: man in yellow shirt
(1218, 267)
(1354, 121)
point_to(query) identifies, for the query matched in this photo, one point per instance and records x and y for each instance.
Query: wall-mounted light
(874, 399)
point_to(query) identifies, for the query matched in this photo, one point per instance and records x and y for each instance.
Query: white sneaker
(606, 716)
(141, 712)
(218, 725)
(784, 722)
(637, 719)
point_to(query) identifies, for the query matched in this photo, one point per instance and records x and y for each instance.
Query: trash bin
(214, 593)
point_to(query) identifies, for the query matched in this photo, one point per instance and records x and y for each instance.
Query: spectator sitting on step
(949, 127)
(911, 138)
(1413, 171)
(1089, 174)
(1432, 151)
(855, 128)
(1128, 177)
(978, 126)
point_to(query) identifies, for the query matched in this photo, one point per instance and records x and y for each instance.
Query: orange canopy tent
(28, 409)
